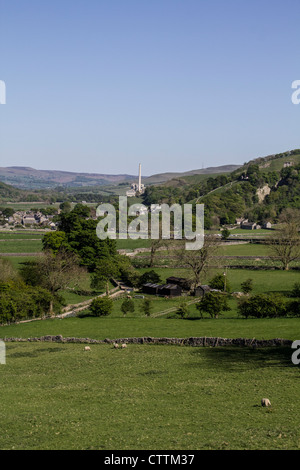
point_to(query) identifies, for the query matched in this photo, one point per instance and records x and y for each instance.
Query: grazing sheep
(87, 348)
(265, 402)
(124, 345)
(116, 345)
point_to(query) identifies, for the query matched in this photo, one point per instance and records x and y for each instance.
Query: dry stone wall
(192, 341)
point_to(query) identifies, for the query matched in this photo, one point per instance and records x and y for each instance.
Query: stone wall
(192, 341)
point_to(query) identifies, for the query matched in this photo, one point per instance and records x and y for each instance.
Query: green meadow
(57, 396)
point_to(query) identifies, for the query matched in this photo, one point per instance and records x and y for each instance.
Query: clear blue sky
(101, 85)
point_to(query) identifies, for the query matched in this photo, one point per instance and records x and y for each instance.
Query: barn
(184, 283)
(164, 290)
(170, 290)
(200, 291)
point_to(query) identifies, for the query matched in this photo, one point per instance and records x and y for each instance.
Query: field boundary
(203, 341)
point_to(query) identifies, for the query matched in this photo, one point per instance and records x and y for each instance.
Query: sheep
(87, 348)
(124, 345)
(116, 345)
(265, 402)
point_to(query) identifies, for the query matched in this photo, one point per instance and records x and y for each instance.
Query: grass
(21, 246)
(57, 397)
(21, 236)
(118, 327)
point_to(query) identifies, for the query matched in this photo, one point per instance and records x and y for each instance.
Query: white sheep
(116, 345)
(265, 402)
(87, 348)
(124, 345)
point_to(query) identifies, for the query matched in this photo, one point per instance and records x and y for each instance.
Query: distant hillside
(258, 190)
(162, 177)
(30, 178)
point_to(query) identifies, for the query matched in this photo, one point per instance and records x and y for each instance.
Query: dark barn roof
(164, 289)
(180, 281)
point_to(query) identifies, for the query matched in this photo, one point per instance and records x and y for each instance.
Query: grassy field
(56, 397)
(115, 327)
(21, 235)
(21, 246)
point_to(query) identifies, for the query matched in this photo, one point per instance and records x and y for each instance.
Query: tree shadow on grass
(233, 359)
(35, 353)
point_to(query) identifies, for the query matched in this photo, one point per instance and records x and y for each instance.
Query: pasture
(59, 397)
(56, 396)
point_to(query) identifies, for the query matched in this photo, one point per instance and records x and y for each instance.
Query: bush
(127, 306)
(263, 306)
(146, 307)
(218, 282)
(293, 308)
(101, 306)
(247, 286)
(296, 290)
(213, 303)
(149, 276)
(183, 309)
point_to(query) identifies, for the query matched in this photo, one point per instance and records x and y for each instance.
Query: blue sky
(99, 86)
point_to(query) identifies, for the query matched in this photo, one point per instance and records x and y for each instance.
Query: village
(22, 219)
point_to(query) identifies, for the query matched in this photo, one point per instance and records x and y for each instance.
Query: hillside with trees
(258, 191)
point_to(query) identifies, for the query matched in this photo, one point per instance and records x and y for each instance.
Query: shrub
(218, 282)
(127, 306)
(247, 286)
(101, 306)
(293, 308)
(296, 290)
(149, 276)
(263, 306)
(146, 307)
(183, 309)
(213, 303)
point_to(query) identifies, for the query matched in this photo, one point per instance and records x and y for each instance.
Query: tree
(82, 238)
(53, 272)
(225, 233)
(220, 282)
(7, 272)
(284, 243)
(65, 206)
(54, 241)
(183, 309)
(213, 303)
(101, 306)
(198, 260)
(247, 286)
(146, 307)
(149, 276)
(127, 306)
(106, 269)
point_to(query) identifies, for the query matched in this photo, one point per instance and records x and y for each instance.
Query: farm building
(170, 290)
(150, 288)
(165, 290)
(184, 283)
(250, 226)
(200, 291)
